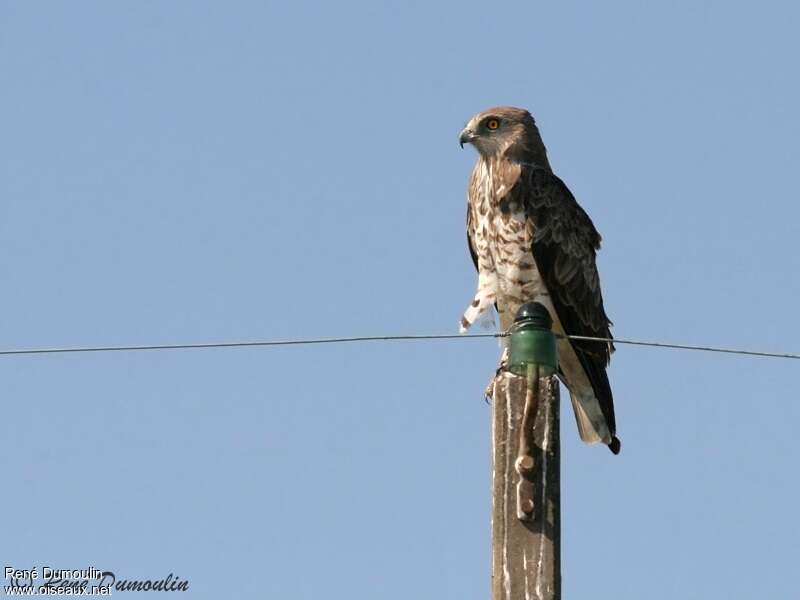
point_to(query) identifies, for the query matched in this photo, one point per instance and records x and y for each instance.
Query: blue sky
(199, 171)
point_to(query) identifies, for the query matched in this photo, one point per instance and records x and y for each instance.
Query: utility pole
(526, 510)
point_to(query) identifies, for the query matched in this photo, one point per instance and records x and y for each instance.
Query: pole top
(536, 312)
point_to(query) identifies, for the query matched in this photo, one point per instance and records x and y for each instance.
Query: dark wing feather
(564, 247)
(472, 252)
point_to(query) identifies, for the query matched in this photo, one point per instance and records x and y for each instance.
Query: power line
(336, 340)
(379, 338)
(685, 347)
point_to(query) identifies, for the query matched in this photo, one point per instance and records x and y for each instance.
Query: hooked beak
(467, 136)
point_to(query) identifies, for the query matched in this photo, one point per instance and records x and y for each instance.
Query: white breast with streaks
(504, 235)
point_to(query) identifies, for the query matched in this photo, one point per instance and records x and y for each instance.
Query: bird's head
(503, 131)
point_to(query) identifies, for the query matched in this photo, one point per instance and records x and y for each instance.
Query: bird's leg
(482, 302)
(503, 361)
(488, 392)
(484, 299)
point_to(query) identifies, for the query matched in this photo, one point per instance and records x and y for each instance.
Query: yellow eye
(492, 124)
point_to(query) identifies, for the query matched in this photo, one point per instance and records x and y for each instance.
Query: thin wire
(684, 347)
(380, 338)
(337, 340)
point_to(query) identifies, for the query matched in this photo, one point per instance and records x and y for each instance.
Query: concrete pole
(526, 511)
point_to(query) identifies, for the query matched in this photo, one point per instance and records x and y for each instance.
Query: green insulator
(532, 341)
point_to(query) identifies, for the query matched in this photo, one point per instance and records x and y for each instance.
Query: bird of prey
(531, 241)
